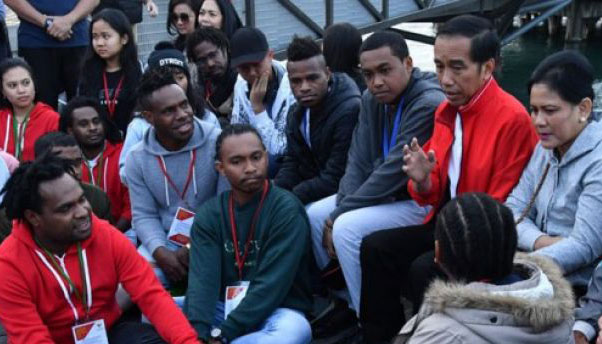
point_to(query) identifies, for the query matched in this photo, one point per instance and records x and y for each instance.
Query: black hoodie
(314, 173)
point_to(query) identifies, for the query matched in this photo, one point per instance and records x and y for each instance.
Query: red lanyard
(208, 90)
(188, 178)
(240, 261)
(111, 103)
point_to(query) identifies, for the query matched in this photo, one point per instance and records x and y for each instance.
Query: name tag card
(179, 231)
(234, 295)
(93, 332)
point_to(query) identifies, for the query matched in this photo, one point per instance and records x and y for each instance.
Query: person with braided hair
(492, 295)
(558, 197)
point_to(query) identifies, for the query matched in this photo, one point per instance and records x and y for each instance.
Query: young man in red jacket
(61, 266)
(85, 121)
(482, 139)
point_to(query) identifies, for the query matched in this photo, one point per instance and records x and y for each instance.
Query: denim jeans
(283, 326)
(351, 227)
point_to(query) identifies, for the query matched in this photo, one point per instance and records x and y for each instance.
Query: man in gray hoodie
(169, 173)
(372, 195)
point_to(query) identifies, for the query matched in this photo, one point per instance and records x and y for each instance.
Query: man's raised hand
(418, 165)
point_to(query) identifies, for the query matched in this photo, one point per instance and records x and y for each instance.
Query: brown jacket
(538, 309)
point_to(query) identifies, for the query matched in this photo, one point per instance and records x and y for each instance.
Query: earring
(581, 120)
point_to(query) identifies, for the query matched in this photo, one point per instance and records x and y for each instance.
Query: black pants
(55, 70)
(132, 332)
(394, 261)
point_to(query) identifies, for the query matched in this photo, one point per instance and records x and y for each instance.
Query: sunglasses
(184, 17)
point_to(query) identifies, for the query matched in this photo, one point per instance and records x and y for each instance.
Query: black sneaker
(335, 319)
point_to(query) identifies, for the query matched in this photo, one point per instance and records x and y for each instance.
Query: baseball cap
(248, 45)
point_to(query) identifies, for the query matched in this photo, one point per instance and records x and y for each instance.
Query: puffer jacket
(536, 309)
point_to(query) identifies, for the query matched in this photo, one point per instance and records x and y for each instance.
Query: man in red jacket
(61, 266)
(482, 139)
(85, 121)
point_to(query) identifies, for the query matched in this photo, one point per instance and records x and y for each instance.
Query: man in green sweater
(249, 273)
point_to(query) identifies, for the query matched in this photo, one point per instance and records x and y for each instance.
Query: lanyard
(83, 294)
(111, 103)
(188, 177)
(240, 260)
(305, 127)
(388, 143)
(100, 170)
(19, 135)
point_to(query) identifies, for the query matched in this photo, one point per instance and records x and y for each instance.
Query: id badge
(179, 231)
(93, 332)
(234, 295)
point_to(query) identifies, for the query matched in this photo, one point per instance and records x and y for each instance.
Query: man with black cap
(262, 93)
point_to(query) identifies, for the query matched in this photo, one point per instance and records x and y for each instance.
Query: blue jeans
(283, 326)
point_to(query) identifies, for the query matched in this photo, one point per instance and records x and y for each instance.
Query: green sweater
(277, 266)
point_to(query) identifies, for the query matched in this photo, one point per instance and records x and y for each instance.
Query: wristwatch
(216, 334)
(48, 22)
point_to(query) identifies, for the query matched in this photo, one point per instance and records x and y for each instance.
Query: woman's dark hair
(195, 6)
(484, 41)
(567, 73)
(341, 47)
(66, 120)
(477, 238)
(231, 130)
(9, 64)
(94, 66)
(230, 19)
(22, 190)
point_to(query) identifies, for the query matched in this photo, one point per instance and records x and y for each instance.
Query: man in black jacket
(319, 126)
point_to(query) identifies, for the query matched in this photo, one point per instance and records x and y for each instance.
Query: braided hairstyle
(477, 238)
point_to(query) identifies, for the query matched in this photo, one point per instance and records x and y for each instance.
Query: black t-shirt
(125, 102)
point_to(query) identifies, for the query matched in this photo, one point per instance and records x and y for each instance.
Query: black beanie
(166, 54)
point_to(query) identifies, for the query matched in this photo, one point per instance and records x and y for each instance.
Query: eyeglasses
(184, 17)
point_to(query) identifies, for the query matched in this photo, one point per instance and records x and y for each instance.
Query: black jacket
(314, 173)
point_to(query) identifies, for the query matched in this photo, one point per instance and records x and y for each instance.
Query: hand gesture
(418, 165)
(258, 91)
(327, 242)
(152, 8)
(60, 28)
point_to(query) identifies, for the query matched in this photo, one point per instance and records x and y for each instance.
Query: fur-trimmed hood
(540, 305)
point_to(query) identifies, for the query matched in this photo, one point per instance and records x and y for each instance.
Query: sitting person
(170, 172)
(61, 267)
(372, 196)
(262, 93)
(319, 126)
(209, 49)
(165, 60)
(491, 296)
(471, 150)
(23, 119)
(98, 140)
(341, 45)
(65, 147)
(559, 195)
(270, 272)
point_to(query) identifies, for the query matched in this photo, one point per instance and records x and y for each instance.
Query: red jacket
(497, 141)
(110, 181)
(42, 120)
(34, 309)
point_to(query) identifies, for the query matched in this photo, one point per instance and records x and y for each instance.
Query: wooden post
(574, 25)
